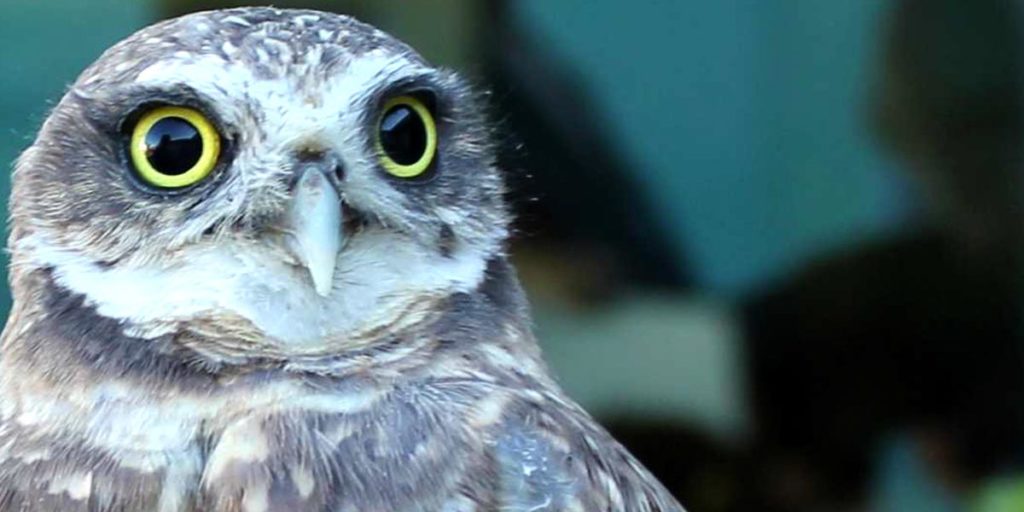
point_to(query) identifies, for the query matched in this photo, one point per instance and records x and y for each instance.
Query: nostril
(325, 161)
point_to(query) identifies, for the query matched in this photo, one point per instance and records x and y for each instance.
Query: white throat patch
(378, 274)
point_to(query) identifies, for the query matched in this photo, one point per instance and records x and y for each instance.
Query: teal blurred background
(772, 245)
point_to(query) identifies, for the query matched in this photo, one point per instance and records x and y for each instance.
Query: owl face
(295, 174)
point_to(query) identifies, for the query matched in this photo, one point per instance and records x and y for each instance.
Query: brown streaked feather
(462, 428)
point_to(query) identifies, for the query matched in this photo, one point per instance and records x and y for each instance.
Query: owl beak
(314, 222)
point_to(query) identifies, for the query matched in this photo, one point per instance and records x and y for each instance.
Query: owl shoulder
(551, 455)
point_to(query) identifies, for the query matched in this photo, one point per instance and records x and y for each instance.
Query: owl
(258, 260)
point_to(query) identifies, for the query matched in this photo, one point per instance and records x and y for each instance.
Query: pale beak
(314, 223)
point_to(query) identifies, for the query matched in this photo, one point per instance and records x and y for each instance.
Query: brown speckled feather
(475, 425)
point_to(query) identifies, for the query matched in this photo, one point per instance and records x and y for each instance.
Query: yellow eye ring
(174, 147)
(406, 137)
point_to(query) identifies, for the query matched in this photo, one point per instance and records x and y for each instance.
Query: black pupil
(173, 146)
(403, 135)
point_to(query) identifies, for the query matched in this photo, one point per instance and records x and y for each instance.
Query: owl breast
(350, 448)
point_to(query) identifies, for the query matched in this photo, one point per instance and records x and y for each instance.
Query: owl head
(296, 176)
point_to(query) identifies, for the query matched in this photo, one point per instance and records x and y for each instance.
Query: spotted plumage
(298, 330)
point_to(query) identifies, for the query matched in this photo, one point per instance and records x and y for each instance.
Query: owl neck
(56, 334)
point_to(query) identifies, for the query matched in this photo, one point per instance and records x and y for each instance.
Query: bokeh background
(774, 246)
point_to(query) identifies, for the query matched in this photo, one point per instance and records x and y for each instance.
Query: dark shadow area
(916, 336)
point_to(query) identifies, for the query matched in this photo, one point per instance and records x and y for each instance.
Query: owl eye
(406, 137)
(174, 147)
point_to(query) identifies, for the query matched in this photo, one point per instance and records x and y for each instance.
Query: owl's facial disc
(314, 225)
(298, 173)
